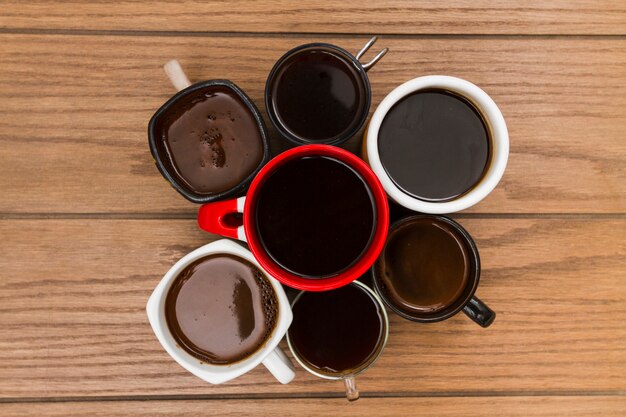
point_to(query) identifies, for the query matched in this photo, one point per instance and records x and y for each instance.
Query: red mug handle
(218, 218)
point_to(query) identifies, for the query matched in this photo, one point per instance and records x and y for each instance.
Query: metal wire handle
(374, 60)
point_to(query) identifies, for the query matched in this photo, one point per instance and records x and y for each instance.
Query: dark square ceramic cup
(182, 101)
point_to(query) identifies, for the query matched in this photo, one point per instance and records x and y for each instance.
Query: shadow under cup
(429, 270)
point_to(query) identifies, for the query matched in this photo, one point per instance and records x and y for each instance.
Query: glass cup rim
(383, 342)
(475, 273)
(336, 140)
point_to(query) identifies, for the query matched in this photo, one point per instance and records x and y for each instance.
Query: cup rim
(475, 277)
(215, 374)
(366, 259)
(381, 305)
(493, 117)
(160, 160)
(278, 125)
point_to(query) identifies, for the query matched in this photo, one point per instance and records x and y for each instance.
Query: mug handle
(219, 218)
(177, 76)
(368, 65)
(479, 312)
(352, 393)
(280, 366)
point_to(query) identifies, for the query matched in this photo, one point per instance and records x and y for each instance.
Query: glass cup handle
(367, 66)
(479, 312)
(352, 393)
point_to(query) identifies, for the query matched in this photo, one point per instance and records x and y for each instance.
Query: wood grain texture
(75, 110)
(326, 16)
(73, 294)
(381, 407)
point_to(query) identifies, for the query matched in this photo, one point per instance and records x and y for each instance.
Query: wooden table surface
(88, 226)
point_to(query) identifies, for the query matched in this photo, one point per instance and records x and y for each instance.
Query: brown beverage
(434, 145)
(315, 216)
(221, 309)
(424, 266)
(337, 332)
(212, 139)
(318, 95)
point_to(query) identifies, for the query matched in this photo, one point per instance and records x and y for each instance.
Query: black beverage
(221, 309)
(339, 331)
(318, 95)
(434, 145)
(314, 216)
(424, 267)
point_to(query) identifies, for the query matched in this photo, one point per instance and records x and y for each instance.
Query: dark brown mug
(429, 271)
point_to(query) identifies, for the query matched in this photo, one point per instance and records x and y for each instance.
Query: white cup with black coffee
(438, 144)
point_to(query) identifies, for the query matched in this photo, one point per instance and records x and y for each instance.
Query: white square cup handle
(280, 366)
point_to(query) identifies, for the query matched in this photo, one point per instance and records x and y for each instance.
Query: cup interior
(361, 264)
(161, 155)
(382, 342)
(464, 296)
(493, 120)
(210, 372)
(306, 112)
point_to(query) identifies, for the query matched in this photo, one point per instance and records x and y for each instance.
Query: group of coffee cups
(316, 217)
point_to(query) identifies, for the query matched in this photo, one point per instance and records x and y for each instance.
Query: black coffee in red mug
(315, 217)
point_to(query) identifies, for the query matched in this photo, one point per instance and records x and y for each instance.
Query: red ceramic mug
(220, 218)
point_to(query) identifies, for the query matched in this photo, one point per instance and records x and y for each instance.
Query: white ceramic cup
(272, 357)
(492, 117)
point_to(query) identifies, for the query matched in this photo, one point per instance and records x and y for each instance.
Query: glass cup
(348, 377)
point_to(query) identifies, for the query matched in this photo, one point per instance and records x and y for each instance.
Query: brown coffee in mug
(221, 309)
(429, 271)
(435, 145)
(212, 140)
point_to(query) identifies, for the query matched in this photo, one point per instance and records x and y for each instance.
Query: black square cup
(164, 163)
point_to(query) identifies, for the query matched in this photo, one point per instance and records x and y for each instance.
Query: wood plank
(327, 16)
(383, 407)
(73, 294)
(75, 110)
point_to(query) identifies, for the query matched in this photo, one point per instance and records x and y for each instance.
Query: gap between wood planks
(320, 395)
(192, 215)
(171, 33)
